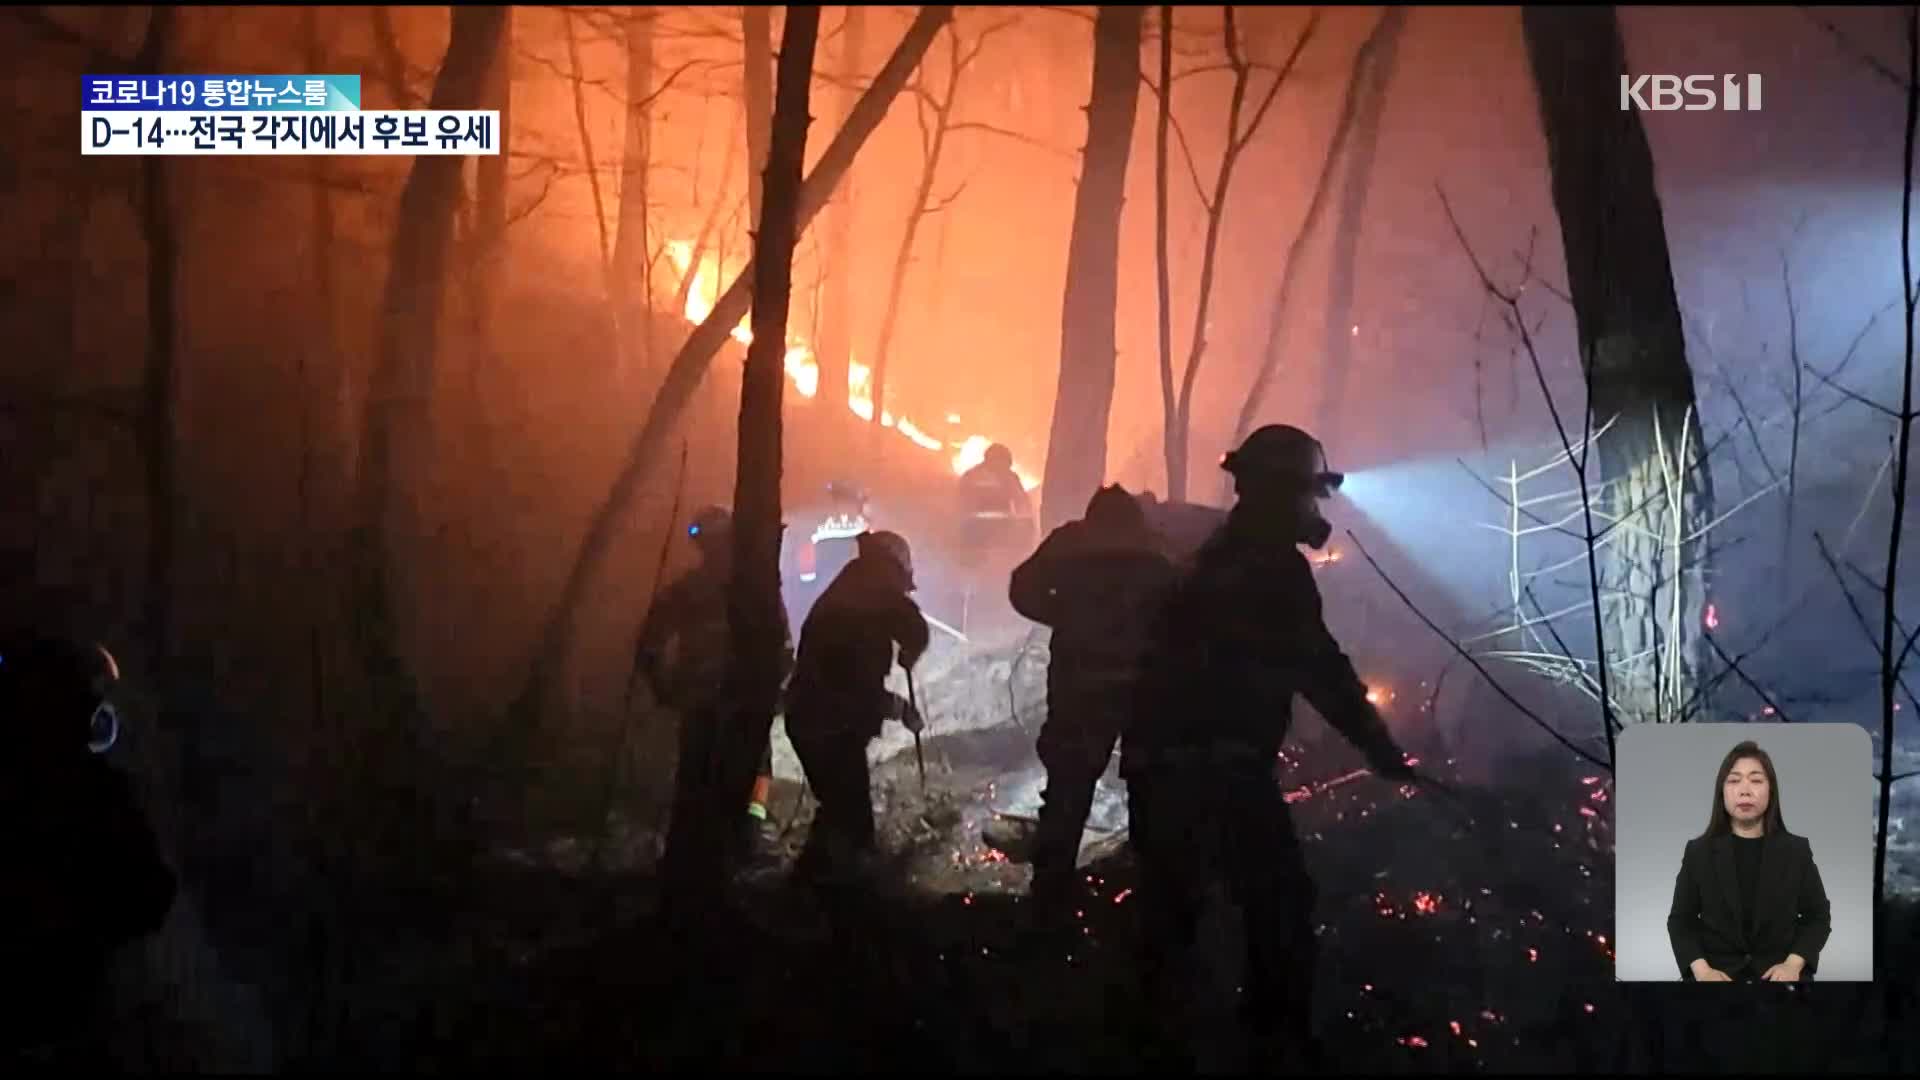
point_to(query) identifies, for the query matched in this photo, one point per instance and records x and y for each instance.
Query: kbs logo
(1666, 93)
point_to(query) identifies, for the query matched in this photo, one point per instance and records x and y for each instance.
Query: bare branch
(1008, 133)
(1471, 659)
(1848, 46)
(1860, 617)
(1279, 80)
(1186, 153)
(1734, 666)
(1851, 396)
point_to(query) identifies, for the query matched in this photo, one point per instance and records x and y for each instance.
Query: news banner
(250, 115)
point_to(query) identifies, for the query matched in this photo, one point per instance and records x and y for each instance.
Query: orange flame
(803, 370)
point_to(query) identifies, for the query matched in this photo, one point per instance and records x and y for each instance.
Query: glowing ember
(1533, 956)
(1121, 896)
(1414, 1041)
(1713, 617)
(1426, 903)
(1589, 1008)
(1379, 695)
(1455, 1025)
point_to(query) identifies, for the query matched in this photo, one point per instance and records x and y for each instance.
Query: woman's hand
(1705, 972)
(1787, 970)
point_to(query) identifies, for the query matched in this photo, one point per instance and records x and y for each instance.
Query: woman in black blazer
(1748, 904)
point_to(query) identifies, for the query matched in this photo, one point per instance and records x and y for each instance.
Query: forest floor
(1464, 935)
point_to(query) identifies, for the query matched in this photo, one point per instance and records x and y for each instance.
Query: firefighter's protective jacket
(985, 490)
(846, 649)
(686, 644)
(1239, 637)
(1100, 590)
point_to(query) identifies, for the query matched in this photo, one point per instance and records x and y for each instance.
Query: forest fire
(804, 371)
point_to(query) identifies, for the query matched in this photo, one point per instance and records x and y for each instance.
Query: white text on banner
(455, 132)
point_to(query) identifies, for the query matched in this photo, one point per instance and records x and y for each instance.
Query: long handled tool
(919, 751)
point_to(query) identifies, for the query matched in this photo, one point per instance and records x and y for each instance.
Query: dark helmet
(999, 457)
(1113, 508)
(890, 546)
(709, 524)
(1283, 452)
(54, 692)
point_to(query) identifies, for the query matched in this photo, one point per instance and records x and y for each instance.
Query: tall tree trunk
(835, 354)
(162, 372)
(490, 186)
(697, 849)
(1357, 81)
(690, 363)
(1373, 71)
(1652, 465)
(756, 86)
(325, 356)
(1162, 263)
(632, 245)
(1083, 396)
(397, 412)
(1890, 664)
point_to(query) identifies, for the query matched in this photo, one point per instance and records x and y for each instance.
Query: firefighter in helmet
(838, 699)
(1240, 636)
(84, 874)
(997, 529)
(686, 657)
(1098, 582)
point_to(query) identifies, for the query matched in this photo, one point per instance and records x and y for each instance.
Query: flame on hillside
(803, 371)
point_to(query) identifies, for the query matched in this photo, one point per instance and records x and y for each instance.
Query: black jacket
(1100, 591)
(1791, 913)
(1237, 639)
(839, 682)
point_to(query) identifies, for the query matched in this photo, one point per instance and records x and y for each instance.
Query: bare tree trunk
(1357, 80)
(756, 617)
(632, 245)
(320, 586)
(1373, 71)
(162, 372)
(1083, 395)
(1657, 489)
(490, 194)
(1163, 270)
(1890, 663)
(756, 86)
(1179, 411)
(690, 363)
(835, 354)
(398, 402)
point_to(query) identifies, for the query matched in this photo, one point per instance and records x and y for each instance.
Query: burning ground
(1467, 932)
